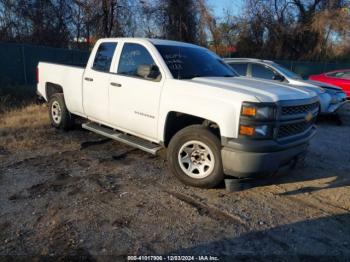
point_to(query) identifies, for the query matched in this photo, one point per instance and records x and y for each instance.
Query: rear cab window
(104, 56)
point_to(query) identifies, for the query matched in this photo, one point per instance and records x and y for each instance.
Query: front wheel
(59, 115)
(194, 156)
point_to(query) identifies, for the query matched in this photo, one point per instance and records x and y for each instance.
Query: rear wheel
(194, 156)
(59, 115)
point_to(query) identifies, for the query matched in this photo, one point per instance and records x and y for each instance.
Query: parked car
(331, 97)
(154, 94)
(340, 78)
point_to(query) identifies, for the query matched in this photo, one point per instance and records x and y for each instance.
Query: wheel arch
(52, 88)
(175, 121)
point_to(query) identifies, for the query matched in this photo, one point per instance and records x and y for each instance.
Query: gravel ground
(75, 193)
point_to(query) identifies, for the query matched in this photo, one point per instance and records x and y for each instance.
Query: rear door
(96, 83)
(134, 99)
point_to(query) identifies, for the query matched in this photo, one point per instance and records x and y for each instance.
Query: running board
(124, 138)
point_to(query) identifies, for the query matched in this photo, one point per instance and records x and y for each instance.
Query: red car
(339, 78)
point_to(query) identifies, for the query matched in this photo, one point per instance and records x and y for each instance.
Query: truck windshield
(287, 72)
(190, 62)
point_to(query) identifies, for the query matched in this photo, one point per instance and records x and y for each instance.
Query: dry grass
(30, 116)
(26, 131)
(23, 128)
(12, 97)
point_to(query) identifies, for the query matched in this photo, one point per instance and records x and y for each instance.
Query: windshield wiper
(197, 75)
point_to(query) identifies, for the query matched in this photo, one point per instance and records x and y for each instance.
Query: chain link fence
(18, 62)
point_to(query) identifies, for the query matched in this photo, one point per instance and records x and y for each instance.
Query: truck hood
(263, 90)
(314, 84)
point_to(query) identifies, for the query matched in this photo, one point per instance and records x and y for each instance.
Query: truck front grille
(293, 129)
(299, 109)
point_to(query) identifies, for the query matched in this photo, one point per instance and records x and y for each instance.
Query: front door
(96, 83)
(135, 95)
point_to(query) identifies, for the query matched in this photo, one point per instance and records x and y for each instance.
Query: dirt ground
(75, 193)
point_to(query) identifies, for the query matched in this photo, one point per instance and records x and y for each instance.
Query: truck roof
(154, 41)
(247, 60)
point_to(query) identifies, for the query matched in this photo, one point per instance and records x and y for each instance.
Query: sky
(218, 6)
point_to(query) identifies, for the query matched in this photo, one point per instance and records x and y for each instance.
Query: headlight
(338, 98)
(260, 131)
(334, 100)
(257, 120)
(258, 111)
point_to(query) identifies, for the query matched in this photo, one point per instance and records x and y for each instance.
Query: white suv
(331, 97)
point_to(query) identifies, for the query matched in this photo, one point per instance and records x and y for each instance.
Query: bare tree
(285, 29)
(150, 18)
(208, 22)
(181, 20)
(291, 29)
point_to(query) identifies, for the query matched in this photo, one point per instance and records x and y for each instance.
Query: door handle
(89, 79)
(115, 84)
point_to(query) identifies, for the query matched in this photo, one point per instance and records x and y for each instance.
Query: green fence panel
(18, 62)
(305, 69)
(11, 64)
(34, 54)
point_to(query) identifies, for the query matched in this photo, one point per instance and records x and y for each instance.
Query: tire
(59, 115)
(194, 157)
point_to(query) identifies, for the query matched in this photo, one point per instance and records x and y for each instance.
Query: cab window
(135, 60)
(104, 56)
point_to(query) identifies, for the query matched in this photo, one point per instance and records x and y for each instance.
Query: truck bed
(68, 77)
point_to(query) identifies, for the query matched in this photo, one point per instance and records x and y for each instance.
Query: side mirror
(148, 72)
(278, 77)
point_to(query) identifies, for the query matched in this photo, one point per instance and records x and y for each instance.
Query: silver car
(331, 97)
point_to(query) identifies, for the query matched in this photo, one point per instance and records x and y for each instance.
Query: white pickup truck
(155, 94)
